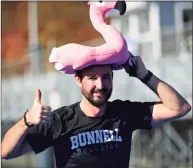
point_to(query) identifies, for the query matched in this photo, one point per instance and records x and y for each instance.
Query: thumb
(38, 95)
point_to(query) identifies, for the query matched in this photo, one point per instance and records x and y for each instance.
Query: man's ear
(78, 80)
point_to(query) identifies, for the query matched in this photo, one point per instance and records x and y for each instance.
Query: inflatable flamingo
(71, 57)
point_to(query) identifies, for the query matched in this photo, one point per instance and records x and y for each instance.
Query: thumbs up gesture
(38, 113)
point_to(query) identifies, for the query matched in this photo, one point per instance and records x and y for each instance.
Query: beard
(101, 100)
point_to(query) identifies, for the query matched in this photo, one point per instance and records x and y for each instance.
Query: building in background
(157, 27)
(47, 24)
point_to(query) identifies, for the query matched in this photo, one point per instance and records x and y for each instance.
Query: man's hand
(38, 113)
(135, 67)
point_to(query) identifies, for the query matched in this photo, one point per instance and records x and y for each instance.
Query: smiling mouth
(99, 94)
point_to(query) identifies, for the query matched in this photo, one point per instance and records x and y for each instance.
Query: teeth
(59, 66)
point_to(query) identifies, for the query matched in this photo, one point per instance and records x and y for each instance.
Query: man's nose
(99, 83)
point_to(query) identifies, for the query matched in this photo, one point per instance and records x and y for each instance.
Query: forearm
(168, 95)
(13, 138)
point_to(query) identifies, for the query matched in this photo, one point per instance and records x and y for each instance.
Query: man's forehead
(98, 69)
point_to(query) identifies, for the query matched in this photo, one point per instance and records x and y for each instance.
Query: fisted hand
(38, 113)
(135, 67)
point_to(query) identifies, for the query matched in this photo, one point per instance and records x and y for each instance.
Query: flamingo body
(71, 57)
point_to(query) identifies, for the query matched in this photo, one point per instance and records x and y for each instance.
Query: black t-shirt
(81, 141)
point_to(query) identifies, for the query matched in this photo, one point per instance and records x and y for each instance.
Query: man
(94, 133)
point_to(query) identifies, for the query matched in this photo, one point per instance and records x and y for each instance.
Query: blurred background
(160, 32)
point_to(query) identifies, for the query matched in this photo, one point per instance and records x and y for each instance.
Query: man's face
(96, 84)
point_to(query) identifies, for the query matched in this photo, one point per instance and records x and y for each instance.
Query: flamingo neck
(107, 31)
(98, 21)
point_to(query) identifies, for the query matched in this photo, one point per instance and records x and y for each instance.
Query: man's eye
(92, 78)
(107, 76)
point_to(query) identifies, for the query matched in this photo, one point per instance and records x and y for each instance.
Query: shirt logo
(85, 139)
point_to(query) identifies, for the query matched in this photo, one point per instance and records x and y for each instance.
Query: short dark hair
(79, 73)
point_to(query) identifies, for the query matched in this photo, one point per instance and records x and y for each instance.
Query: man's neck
(91, 110)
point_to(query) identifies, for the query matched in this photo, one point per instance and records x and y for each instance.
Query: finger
(45, 117)
(38, 96)
(46, 113)
(47, 121)
(45, 107)
(43, 127)
(44, 121)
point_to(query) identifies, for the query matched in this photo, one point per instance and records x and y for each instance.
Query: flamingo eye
(100, 3)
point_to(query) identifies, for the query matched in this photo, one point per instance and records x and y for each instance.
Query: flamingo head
(105, 6)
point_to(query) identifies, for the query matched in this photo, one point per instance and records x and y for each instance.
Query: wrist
(147, 77)
(142, 74)
(27, 121)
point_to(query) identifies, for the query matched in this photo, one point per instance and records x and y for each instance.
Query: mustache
(103, 90)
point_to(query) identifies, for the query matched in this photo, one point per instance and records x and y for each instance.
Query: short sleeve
(138, 114)
(41, 137)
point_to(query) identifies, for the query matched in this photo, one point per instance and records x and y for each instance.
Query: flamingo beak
(121, 6)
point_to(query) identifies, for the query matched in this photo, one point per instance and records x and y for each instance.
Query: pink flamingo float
(71, 57)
